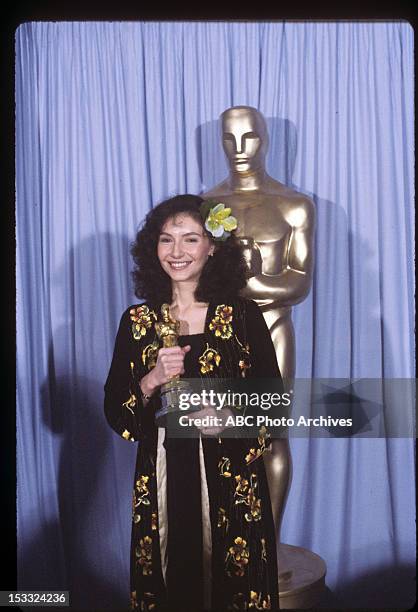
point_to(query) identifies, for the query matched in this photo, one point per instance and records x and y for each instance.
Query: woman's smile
(179, 265)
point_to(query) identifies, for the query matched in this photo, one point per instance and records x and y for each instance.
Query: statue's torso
(264, 220)
(272, 215)
(266, 215)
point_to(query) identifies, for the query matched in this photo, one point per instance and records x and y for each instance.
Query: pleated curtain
(114, 117)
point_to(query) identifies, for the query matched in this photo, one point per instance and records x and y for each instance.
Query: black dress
(202, 528)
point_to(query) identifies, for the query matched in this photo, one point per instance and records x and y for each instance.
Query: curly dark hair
(222, 277)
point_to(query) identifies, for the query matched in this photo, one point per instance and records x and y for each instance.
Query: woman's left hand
(217, 420)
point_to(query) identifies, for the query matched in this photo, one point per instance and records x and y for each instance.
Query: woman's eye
(165, 240)
(191, 239)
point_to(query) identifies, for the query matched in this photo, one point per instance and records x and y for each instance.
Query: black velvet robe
(236, 343)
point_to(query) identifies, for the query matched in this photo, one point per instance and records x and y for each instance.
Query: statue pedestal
(302, 579)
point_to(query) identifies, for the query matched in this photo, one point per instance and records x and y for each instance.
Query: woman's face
(183, 248)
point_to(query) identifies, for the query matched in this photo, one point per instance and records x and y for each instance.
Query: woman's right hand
(170, 362)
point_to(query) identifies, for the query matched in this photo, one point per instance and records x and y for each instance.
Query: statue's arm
(293, 283)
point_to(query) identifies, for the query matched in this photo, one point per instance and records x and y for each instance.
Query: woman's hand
(170, 362)
(216, 421)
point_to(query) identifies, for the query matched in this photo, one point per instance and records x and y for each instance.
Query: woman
(202, 534)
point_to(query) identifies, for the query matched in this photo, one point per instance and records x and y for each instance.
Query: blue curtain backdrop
(112, 118)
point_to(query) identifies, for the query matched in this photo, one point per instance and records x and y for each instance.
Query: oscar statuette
(168, 332)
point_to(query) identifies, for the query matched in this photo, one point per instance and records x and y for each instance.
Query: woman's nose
(177, 249)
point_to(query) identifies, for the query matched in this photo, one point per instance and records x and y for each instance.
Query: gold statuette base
(302, 580)
(170, 393)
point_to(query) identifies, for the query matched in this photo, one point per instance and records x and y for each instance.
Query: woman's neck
(184, 308)
(183, 295)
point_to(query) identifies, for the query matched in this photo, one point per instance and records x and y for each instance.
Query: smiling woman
(222, 275)
(202, 527)
(184, 248)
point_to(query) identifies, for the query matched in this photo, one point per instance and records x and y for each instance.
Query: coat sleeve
(264, 365)
(123, 404)
(263, 354)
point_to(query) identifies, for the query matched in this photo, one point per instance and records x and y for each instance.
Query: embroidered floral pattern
(221, 323)
(154, 521)
(238, 511)
(263, 435)
(241, 489)
(237, 557)
(245, 494)
(223, 520)
(209, 359)
(251, 456)
(135, 516)
(141, 485)
(150, 354)
(255, 508)
(254, 453)
(141, 492)
(224, 466)
(244, 363)
(256, 603)
(239, 602)
(127, 435)
(148, 603)
(263, 550)
(225, 313)
(130, 403)
(134, 603)
(142, 319)
(143, 553)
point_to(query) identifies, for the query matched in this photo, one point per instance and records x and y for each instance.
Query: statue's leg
(278, 464)
(283, 336)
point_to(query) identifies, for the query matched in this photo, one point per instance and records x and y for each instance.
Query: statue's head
(244, 138)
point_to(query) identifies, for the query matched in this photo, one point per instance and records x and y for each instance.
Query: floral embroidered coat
(236, 343)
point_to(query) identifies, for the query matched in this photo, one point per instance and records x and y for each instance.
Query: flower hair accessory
(218, 220)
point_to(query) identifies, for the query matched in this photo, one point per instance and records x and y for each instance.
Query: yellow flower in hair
(218, 220)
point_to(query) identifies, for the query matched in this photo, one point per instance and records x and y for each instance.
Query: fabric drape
(113, 117)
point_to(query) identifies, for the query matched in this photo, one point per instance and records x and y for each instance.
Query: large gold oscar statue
(276, 227)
